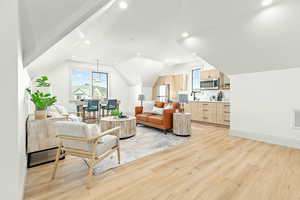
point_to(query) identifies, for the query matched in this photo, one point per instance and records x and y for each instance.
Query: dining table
(80, 104)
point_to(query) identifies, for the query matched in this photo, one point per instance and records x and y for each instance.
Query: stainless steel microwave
(210, 84)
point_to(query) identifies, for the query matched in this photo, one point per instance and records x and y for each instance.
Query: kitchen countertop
(200, 101)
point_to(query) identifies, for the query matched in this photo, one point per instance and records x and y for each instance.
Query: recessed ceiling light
(138, 54)
(87, 42)
(266, 2)
(185, 34)
(123, 5)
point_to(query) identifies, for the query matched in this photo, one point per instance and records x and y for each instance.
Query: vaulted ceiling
(233, 35)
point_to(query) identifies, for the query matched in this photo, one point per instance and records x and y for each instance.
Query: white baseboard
(267, 138)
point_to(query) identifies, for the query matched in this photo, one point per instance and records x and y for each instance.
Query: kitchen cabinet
(223, 114)
(210, 112)
(177, 83)
(210, 75)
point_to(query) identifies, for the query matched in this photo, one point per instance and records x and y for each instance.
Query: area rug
(147, 141)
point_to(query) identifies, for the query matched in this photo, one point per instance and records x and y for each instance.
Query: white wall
(262, 105)
(134, 92)
(13, 81)
(147, 91)
(59, 77)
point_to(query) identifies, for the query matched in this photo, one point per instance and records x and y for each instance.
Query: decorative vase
(40, 114)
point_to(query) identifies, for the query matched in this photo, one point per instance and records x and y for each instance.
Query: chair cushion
(108, 142)
(156, 119)
(143, 117)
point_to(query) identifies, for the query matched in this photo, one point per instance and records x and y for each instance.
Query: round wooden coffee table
(127, 125)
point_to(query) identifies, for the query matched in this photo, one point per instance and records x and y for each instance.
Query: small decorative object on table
(182, 124)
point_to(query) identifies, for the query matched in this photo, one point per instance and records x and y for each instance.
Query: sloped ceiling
(233, 35)
(44, 22)
(136, 71)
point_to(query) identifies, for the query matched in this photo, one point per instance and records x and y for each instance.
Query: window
(88, 85)
(81, 85)
(100, 85)
(196, 77)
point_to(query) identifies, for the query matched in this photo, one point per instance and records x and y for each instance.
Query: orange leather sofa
(163, 122)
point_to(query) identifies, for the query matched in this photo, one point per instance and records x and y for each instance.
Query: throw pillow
(62, 110)
(148, 106)
(168, 106)
(52, 111)
(157, 111)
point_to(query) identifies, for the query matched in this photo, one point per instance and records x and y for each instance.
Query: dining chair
(85, 141)
(92, 107)
(112, 104)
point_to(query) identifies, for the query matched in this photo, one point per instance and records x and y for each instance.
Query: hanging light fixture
(97, 78)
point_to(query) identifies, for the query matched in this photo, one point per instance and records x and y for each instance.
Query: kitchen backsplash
(205, 95)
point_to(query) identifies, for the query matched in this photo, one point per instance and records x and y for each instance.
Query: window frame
(196, 69)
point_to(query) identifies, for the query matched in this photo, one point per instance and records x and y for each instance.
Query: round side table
(182, 124)
(127, 125)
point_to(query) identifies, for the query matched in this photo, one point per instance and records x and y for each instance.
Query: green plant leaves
(42, 82)
(115, 113)
(40, 99)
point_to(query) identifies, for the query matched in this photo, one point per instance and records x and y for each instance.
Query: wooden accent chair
(85, 141)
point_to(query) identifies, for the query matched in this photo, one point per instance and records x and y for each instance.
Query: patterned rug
(146, 141)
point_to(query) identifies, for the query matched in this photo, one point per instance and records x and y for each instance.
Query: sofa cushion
(159, 104)
(157, 111)
(156, 119)
(148, 106)
(173, 106)
(143, 117)
(168, 106)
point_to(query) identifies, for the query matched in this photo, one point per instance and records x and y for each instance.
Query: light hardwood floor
(212, 166)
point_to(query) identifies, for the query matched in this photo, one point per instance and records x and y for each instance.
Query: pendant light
(97, 78)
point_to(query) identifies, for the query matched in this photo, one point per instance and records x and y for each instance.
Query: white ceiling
(233, 35)
(44, 22)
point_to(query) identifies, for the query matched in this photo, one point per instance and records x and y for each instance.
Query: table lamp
(183, 98)
(141, 98)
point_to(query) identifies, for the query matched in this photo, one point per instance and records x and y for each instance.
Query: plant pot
(40, 114)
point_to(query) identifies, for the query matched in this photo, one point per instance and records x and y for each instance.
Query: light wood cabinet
(210, 75)
(177, 83)
(195, 109)
(210, 112)
(216, 75)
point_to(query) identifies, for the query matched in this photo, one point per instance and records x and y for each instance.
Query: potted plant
(40, 99)
(115, 113)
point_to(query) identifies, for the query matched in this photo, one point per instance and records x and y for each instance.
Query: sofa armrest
(138, 110)
(168, 118)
